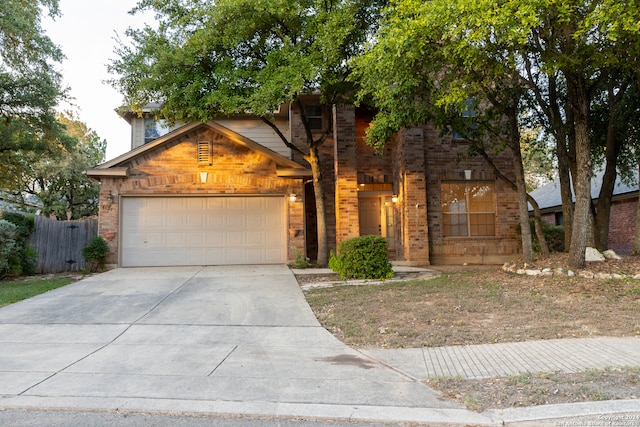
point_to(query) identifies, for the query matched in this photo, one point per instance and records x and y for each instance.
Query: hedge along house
(230, 192)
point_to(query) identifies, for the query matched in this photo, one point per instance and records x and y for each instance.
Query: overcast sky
(86, 32)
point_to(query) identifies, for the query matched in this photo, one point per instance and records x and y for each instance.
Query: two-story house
(229, 191)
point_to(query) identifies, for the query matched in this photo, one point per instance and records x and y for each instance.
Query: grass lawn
(16, 290)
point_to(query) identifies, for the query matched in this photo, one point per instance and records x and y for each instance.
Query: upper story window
(467, 122)
(468, 209)
(314, 116)
(154, 129)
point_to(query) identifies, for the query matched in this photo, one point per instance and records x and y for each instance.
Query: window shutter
(205, 153)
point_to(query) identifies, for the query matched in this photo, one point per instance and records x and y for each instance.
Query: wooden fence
(58, 244)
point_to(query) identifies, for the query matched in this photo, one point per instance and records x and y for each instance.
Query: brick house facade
(622, 222)
(622, 218)
(399, 193)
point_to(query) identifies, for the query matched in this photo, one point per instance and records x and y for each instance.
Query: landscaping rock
(560, 271)
(592, 254)
(586, 274)
(611, 254)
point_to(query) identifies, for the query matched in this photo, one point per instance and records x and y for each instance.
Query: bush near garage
(95, 253)
(362, 257)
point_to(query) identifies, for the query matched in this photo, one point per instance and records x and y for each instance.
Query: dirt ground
(470, 305)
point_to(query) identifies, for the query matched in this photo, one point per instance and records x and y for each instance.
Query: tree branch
(281, 135)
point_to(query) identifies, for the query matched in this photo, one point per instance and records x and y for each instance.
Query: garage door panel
(237, 203)
(203, 230)
(193, 220)
(176, 221)
(196, 240)
(216, 239)
(177, 239)
(255, 238)
(236, 220)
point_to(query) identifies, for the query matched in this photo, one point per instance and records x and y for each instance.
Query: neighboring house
(12, 203)
(622, 221)
(230, 192)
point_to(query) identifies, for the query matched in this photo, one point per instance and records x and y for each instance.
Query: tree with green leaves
(206, 59)
(30, 86)
(58, 179)
(517, 57)
(447, 61)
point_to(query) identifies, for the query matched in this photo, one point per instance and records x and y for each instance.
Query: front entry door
(370, 216)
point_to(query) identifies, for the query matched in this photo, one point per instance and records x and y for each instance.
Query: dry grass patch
(478, 306)
(541, 388)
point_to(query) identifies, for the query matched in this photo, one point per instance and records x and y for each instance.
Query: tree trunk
(579, 103)
(537, 221)
(321, 216)
(559, 127)
(521, 188)
(566, 194)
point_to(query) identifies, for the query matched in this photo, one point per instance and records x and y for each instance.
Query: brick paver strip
(491, 360)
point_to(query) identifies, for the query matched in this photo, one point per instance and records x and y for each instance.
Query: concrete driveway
(224, 340)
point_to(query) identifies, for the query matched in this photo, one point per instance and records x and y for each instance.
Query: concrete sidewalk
(242, 340)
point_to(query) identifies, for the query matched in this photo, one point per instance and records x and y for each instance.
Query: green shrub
(301, 261)
(362, 257)
(553, 234)
(95, 253)
(555, 237)
(26, 223)
(22, 259)
(8, 248)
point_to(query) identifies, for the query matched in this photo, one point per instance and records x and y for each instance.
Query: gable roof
(285, 166)
(548, 196)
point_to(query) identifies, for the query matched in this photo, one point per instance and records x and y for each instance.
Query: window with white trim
(468, 208)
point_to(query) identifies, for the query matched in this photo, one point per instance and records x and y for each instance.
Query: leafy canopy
(30, 87)
(208, 58)
(57, 178)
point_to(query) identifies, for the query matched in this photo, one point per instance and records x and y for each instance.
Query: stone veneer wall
(172, 169)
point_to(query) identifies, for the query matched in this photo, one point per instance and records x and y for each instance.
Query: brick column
(410, 171)
(346, 173)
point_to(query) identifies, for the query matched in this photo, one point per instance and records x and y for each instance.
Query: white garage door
(171, 231)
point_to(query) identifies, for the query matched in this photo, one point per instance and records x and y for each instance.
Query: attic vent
(205, 153)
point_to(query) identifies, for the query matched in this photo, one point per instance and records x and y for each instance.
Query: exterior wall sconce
(204, 176)
(467, 174)
(110, 198)
(292, 197)
(394, 198)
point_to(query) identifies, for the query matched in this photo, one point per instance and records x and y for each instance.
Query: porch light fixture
(292, 197)
(394, 198)
(204, 176)
(110, 198)
(467, 174)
